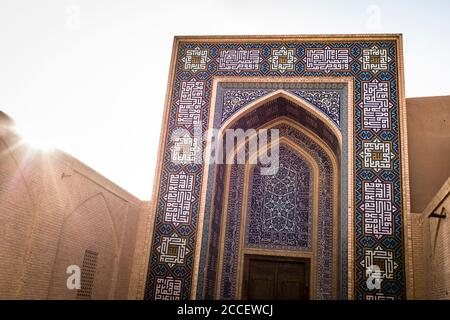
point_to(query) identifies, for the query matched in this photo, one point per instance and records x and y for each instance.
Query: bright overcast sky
(90, 76)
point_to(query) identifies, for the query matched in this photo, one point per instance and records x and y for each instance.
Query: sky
(89, 77)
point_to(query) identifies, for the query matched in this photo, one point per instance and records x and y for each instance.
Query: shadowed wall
(55, 212)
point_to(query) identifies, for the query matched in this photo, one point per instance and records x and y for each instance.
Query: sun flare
(40, 137)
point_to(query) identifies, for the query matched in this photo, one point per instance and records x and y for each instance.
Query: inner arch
(261, 114)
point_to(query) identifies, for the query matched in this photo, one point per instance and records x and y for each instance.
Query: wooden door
(274, 278)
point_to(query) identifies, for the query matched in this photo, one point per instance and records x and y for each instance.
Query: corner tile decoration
(234, 100)
(372, 64)
(196, 59)
(375, 59)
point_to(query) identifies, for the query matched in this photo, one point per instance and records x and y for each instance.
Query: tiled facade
(366, 121)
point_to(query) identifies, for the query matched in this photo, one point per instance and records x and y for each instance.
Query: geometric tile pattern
(239, 59)
(279, 202)
(378, 208)
(281, 207)
(282, 59)
(376, 105)
(178, 198)
(168, 288)
(375, 59)
(232, 234)
(384, 259)
(173, 249)
(196, 59)
(233, 100)
(186, 149)
(190, 102)
(327, 101)
(377, 155)
(373, 67)
(327, 59)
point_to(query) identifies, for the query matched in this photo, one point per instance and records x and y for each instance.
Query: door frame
(249, 257)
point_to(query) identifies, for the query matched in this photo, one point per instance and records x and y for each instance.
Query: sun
(39, 137)
(39, 143)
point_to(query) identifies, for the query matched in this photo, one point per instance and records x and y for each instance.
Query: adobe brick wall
(52, 209)
(142, 254)
(429, 159)
(428, 147)
(431, 249)
(418, 262)
(436, 245)
(16, 215)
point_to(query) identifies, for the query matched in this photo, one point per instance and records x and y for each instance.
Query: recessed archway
(289, 123)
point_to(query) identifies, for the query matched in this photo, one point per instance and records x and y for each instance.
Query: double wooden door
(275, 278)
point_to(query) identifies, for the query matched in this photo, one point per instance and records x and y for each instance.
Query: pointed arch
(105, 202)
(79, 232)
(296, 101)
(310, 254)
(283, 120)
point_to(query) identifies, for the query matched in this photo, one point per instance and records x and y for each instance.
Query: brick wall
(431, 249)
(429, 159)
(52, 209)
(436, 239)
(417, 252)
